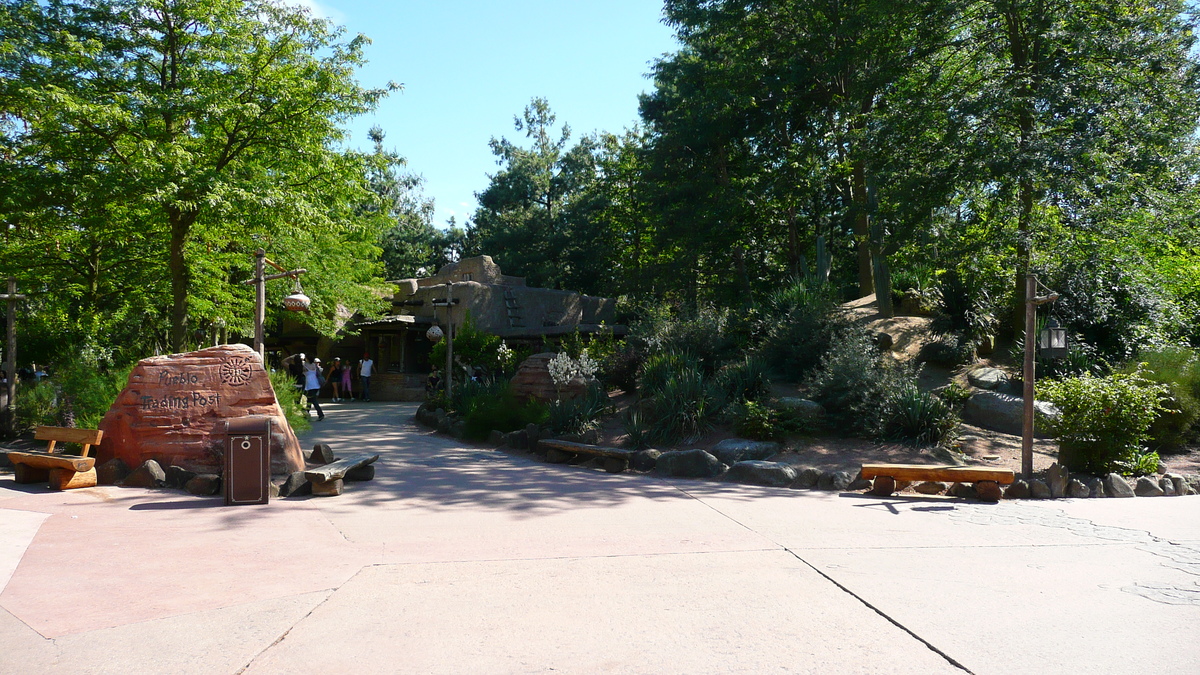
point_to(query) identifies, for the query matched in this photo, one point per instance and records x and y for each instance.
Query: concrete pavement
(462, 559)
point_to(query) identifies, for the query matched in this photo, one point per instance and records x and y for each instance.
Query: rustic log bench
(329, 480)
(615, 460)
(987, 479)
(64, 472)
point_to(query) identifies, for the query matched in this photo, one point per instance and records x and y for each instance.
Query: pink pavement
(462, 559)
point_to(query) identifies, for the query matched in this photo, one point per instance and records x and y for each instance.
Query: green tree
(191, 132)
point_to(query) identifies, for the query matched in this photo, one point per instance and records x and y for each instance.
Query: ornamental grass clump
(1104, 422)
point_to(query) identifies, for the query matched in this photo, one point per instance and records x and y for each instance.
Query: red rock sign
(171, 405)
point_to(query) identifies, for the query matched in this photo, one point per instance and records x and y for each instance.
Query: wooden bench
(329, 480)
(615, 460)
(987, 479)
(64, 472)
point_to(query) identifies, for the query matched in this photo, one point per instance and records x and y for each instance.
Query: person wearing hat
(312, 386)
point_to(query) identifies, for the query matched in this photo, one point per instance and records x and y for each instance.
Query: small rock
(1167, 486)
(496, 437)
(148, 475)
(644, 460)
(1056, 478)
(988, 490)
(296, 485)
(991, 458)
(321, 454)
(1038, 489)
(1116, 486)
(732, 450)
(1018, 490)
(801, 406)
(177, 476)
(860, 483)
(962, 490)
(987, 378)
(883, 486)
(1193, 482)
(532, 433)
(204, 484)
(1095, 487)
(884, 341)
(806, 478)
(518, 440)
(361, 473)
(1147, 487)
(1077, 490)
(759, 472)
(930, 487)
(688, 464)
(903, 485)
(835, 480)
(1178, 483)
(458, 429)
(111, 472)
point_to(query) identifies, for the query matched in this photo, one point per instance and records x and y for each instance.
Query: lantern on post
(1052, 341)
(434, 334)
(297, 301)
(259, 282)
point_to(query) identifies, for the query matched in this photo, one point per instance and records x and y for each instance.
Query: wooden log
(883, 486)
(85, 437)
(584, 449)
(338, 469)
(45, 460)
(23, 473)
(65, 479)
(615, 464)
(329, 488)
(361, 473)
(947, 474)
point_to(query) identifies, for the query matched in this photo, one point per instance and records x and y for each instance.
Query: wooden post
(260, 304)
(1027, 375)
(449, 374)
(10, 360)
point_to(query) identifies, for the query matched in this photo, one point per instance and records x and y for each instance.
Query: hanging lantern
(434, 333)
(1052, 341)
(297, 301)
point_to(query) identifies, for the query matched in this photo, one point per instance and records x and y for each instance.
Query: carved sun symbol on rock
(236, 372)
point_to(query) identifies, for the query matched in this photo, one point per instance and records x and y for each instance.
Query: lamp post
(260, 296)
(1032, 301)
(10, 362)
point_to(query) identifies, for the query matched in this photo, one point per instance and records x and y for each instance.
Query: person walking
(334, 376)
(312, 386)
(364, 376)
(347, 384)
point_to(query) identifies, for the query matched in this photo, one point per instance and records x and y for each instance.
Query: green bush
(683, 408)
(37, 405)
(706, 333)
(920, 416)
(579, 414)
(801, 324)
(954, 393)
(484, 406)
(1104, 422)
(78, 395)
(1178, 368)
(637, 431)
(661, 367)
(854, 384)
(743, 380)
(757, 421)
(289, 400)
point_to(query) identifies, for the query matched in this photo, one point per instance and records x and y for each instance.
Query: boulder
(111, 472)
(930, 487)
(1019, 489)
(533, 433)
(1116, 486)
(533, 380)
(1039, 490)
(806, 478)
(296, 485)
(1147, 487)
(1056, 478)
(172, 407)
(148, 475)
(204, 484)
(688, 464)
(759, 472)
(1178, 482)
(801, 406)
(644, 460)
(496, 437)
(361, 473)
(988, 491)
(732, 450)
(1077, 490)
(1003, 412)
(962, 491)
(1095, 487)
(835, 480)
(987, 378)
(321, 454)
(1167, 486)
(859, 484)
(177, 476)
(517, 439)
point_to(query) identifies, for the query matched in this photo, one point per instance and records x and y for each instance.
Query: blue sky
(469, 66)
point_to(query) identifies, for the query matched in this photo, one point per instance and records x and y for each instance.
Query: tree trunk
(181, 225)
(862, 228)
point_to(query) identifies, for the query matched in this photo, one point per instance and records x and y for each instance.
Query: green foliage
(855, 385)
(743, 380)
(37, 405)
(289, 400)
(637, 430)
(485, 407)
(1103, 422)
(580, 414)
(475, 348)
(683, 408)
(919, 416)
(708, 334)
(801, 324)
(757, 421)
(1178, 369)
(661, 367)
(83, 388)
(954, 394)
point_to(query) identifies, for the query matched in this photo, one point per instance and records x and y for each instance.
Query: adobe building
(497, 303)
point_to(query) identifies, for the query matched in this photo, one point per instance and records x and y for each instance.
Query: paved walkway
(460, 559)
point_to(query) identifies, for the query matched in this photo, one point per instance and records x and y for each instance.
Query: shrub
(579, 414)
(919, 416)
(801, 325)
(854, 384)
(36, 405)
(1178, 368)
(487, 406)
(289, 400)
(1103, 422)
(705, 333)
(743, 380)
(756, 421)
(683, 408)
(661, 367)
(954, 393)
(637, 431)
(949, 350)
(620, 368)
